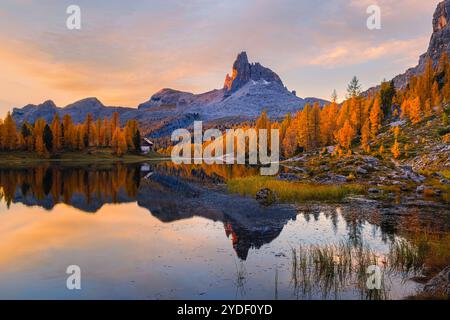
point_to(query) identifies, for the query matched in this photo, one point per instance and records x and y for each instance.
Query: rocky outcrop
(266, 197)
(243, 72)
(439, 44)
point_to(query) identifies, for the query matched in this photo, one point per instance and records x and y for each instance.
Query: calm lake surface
(162, 232)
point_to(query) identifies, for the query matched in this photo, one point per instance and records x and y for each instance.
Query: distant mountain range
(250, 90)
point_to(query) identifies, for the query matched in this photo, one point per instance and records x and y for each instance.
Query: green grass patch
(292, 192)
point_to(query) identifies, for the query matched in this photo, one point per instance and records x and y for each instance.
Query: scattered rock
(406, 168)
(371, 160)
(339, 178)
(288, 177)
(417, 178)
(360, 170)
(420, 189)
(330, 149)
(399, 123)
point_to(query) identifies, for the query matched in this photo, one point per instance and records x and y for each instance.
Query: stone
(407, 168)
(266, 197)
(361, 170)
(288, 177)
(371, 160)
(339, 178)
(330, 149)
(374, 190)
(417, 178)
(421, 189)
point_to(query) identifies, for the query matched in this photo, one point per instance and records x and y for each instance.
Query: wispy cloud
(128, 50)
(353, 53)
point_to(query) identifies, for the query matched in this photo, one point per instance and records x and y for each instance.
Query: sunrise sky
(127, 50)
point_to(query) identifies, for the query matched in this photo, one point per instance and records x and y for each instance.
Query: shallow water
(137, 235)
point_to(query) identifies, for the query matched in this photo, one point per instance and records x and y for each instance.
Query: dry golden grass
(293, 191)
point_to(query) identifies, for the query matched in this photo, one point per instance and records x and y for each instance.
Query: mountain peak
(440, 39)
(439, 44)
(243, 72)
(441, 16)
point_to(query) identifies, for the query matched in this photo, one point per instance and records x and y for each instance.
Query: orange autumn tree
(345, 135)
(365, 136)
(8, 134)
(57, 133)
(376, 116)
(119, 142)
(415, 110)
(395, 149)
(65, 135)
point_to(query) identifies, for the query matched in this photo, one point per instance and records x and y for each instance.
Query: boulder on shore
(266, 197)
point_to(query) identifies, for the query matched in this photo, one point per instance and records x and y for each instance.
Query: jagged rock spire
(243, 72)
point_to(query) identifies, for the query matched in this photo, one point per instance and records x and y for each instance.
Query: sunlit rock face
(243, 72)
(440, 18)
(440, 39)
(439, 43)
(247, 92)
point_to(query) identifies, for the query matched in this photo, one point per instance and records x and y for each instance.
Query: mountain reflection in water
(171, 193)
(138, 230)
(167, 197)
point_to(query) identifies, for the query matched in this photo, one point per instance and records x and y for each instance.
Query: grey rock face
(439, 43)
(243, 72)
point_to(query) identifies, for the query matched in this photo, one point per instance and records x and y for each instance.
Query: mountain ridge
(438, 45)
(250, 90)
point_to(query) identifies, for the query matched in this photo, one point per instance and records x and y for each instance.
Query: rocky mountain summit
(243, 72)
(251, 89)
(439, 44)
